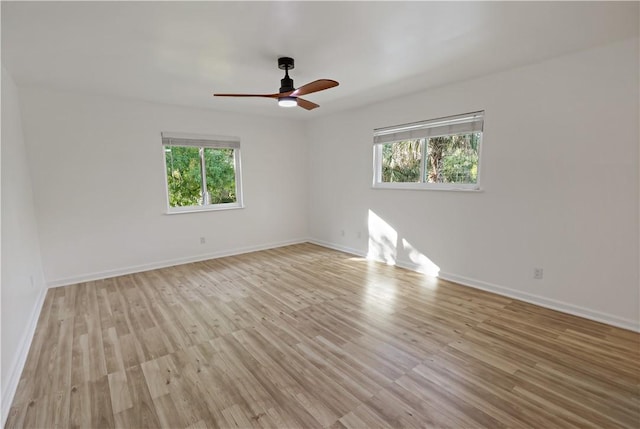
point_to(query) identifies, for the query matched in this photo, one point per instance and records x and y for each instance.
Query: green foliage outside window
(453, 159)
(184, 175)
(449, 159)
(221, 175)
(401, 161)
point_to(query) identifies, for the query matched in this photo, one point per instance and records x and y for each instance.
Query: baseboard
(338, 247)
(15, 371)
(168, 263)
(552, 304)
(609, 319)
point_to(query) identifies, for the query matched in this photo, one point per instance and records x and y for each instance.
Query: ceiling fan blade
(248, 95)
(315, 86)
(306, 104)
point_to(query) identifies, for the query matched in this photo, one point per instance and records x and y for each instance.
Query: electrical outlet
(359, 234)
(342, 233)
(538, 273)
(202, 240)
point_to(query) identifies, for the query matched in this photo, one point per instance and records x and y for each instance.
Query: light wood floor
(303, 336)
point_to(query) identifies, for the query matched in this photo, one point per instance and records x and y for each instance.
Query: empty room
(320, 214)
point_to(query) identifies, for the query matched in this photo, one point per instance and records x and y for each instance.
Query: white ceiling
(182, 52)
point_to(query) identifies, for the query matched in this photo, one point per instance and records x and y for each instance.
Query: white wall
(97, 171)
(559, 173)
(22, 280)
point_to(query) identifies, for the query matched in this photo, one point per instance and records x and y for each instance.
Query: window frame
(416, 129)
(203, 142)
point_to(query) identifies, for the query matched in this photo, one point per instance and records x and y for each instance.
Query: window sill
(427, 187)
(211, 208)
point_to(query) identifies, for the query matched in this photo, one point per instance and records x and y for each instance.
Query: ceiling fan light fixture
(287, 101)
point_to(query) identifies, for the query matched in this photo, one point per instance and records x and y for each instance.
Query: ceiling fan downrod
(286, 83)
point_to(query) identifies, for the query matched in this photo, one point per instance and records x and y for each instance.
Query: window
(202, 172)
(440, 153)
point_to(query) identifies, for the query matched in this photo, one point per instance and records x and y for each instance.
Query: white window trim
(207, 141)
(196, 209)
(424, 186)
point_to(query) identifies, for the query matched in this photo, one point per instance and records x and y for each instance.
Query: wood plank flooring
(307, 337)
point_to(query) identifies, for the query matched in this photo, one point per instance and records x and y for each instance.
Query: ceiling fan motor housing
(286, 84)
(286, 64)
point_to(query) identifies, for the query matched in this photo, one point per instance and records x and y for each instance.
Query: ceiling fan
(289, 96)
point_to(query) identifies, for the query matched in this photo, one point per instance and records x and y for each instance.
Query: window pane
(184, 180)
(221, 175)
(453, 159)
(401, 161)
